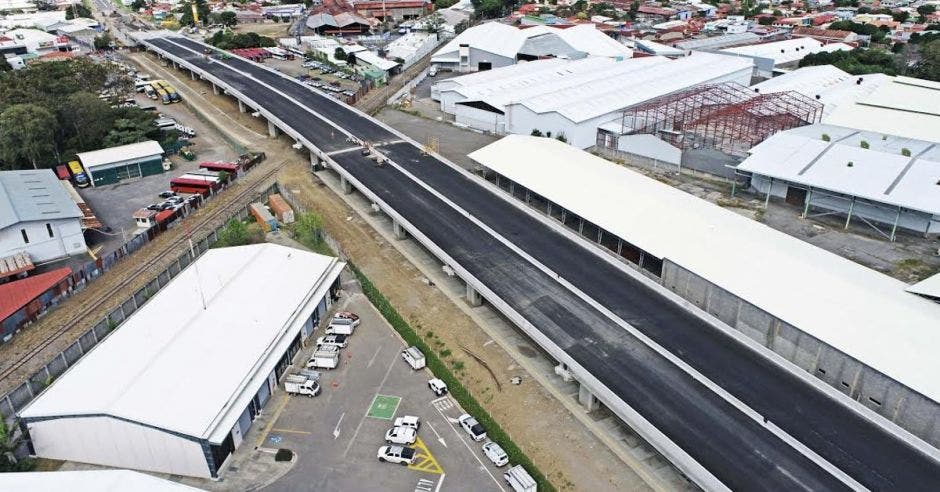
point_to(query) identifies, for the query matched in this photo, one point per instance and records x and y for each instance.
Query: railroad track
(89, 308)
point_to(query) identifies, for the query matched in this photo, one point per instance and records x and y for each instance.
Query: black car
(167, 194)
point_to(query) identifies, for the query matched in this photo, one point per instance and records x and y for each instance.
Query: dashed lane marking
(290, 431)
(424, 460)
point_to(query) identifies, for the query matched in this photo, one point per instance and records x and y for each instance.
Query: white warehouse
(573, 99)
(177, 386)
(38, 217)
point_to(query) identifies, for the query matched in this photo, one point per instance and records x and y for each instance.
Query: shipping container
(265, 219)
(281, 209)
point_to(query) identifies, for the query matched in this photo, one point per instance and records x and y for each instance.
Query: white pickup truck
(298, 384)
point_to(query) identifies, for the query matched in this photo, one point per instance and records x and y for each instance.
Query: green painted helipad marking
(384, 407)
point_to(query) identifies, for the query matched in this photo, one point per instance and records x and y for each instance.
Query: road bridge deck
(735, 448)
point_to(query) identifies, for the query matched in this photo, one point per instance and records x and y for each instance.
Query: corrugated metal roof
(237, 338)
(880, 173)
(14, 295)
(103, 157)
(655, 78)
(786, 51)
(33, 195)
(717, 42)
(929, 287)
(863, 313)
(505, 40)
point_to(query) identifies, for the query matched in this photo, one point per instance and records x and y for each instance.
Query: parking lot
(337, 434)
(115, 204)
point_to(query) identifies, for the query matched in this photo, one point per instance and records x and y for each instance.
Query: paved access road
(736, 449)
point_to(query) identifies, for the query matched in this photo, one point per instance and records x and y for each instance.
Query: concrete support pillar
(215, 89)
(241, 107)
(586, 398)
(192, 75)
(315, 162)
(399, 230)
(272, 130)
(346, 185)
(473, 297)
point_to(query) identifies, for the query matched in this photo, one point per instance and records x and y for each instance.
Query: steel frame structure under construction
(728, 116)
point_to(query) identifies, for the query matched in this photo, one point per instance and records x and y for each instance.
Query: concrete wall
(883, 214)
(476, 56)
(887, 397)
(651, 147)
(66, 240)
(113, 442)
(480, 119)
(521, 120)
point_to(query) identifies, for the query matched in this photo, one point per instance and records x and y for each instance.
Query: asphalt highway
(736, 449)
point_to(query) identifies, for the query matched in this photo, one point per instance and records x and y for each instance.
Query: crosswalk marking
(443, 404)
(425, 485)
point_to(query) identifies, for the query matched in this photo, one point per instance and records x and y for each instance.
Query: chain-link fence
(20, 396)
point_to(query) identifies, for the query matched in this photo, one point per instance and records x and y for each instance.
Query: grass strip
(456, 388)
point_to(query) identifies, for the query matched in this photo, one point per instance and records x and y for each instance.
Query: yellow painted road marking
(424, 460)
(274, 417)
(290, 431)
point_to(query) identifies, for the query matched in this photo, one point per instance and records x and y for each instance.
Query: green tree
(77, 10)
(84, 120)
(929, 65)
(901, 15)
(186, 9)
(235, 233)
(7, 462)
(138, 4)
(925, 10)
(125, 131)
(103, 41)
(490, 9)
(308, 228)
(26, 136)
(443, 4)
(339, 53)
(227, 18)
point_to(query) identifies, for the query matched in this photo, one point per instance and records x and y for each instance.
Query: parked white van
(326, 357)
(520, 480)
(413, 357)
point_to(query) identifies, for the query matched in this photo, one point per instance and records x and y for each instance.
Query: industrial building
(706, 128)
(851, 327)
(494, 45)
(571, 100)
(872, 102)
(23, 301)
(228, 326)
(38, 216)
(89, 481)
(780, 56)
(884, 181)
(116, 164)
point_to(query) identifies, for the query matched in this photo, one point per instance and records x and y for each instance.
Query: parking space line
(366, 413)
(291, 431)
(424, 460)
(461, 439)
(274, 417)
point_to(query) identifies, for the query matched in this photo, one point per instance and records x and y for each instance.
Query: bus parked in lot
(78, 172)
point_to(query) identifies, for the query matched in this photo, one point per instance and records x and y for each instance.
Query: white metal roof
(929, 287)
(500, 92)
(519, 70)
(863, 313)
(252, 297)
(34, 195)
(604, 95)
(786, 51)
(505, 40)
(376, 61)
(873, 102)
(880, 173)
(103, 157)
(89, 481)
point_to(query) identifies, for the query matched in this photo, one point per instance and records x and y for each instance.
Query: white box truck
(327, 357)
(300, 385)
(520, 480)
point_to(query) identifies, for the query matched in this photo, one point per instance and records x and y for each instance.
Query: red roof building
(24, 300)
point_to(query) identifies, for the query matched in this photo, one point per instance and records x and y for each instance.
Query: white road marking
(336, 429)
(439, 438)
(366, 413)
(376, 354)
(483, 466)
(439, 482)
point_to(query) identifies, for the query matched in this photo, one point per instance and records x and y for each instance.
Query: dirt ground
(271, 29)
(563, 449)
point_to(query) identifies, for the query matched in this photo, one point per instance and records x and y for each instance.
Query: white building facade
(38, 217)
(227, 328)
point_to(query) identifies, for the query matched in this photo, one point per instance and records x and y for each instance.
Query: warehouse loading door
(796, 196)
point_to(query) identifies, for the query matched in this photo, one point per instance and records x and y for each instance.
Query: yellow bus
(162, 94)
(174, 96)
(78, 172)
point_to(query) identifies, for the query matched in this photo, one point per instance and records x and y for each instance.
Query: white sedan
(495, 453)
